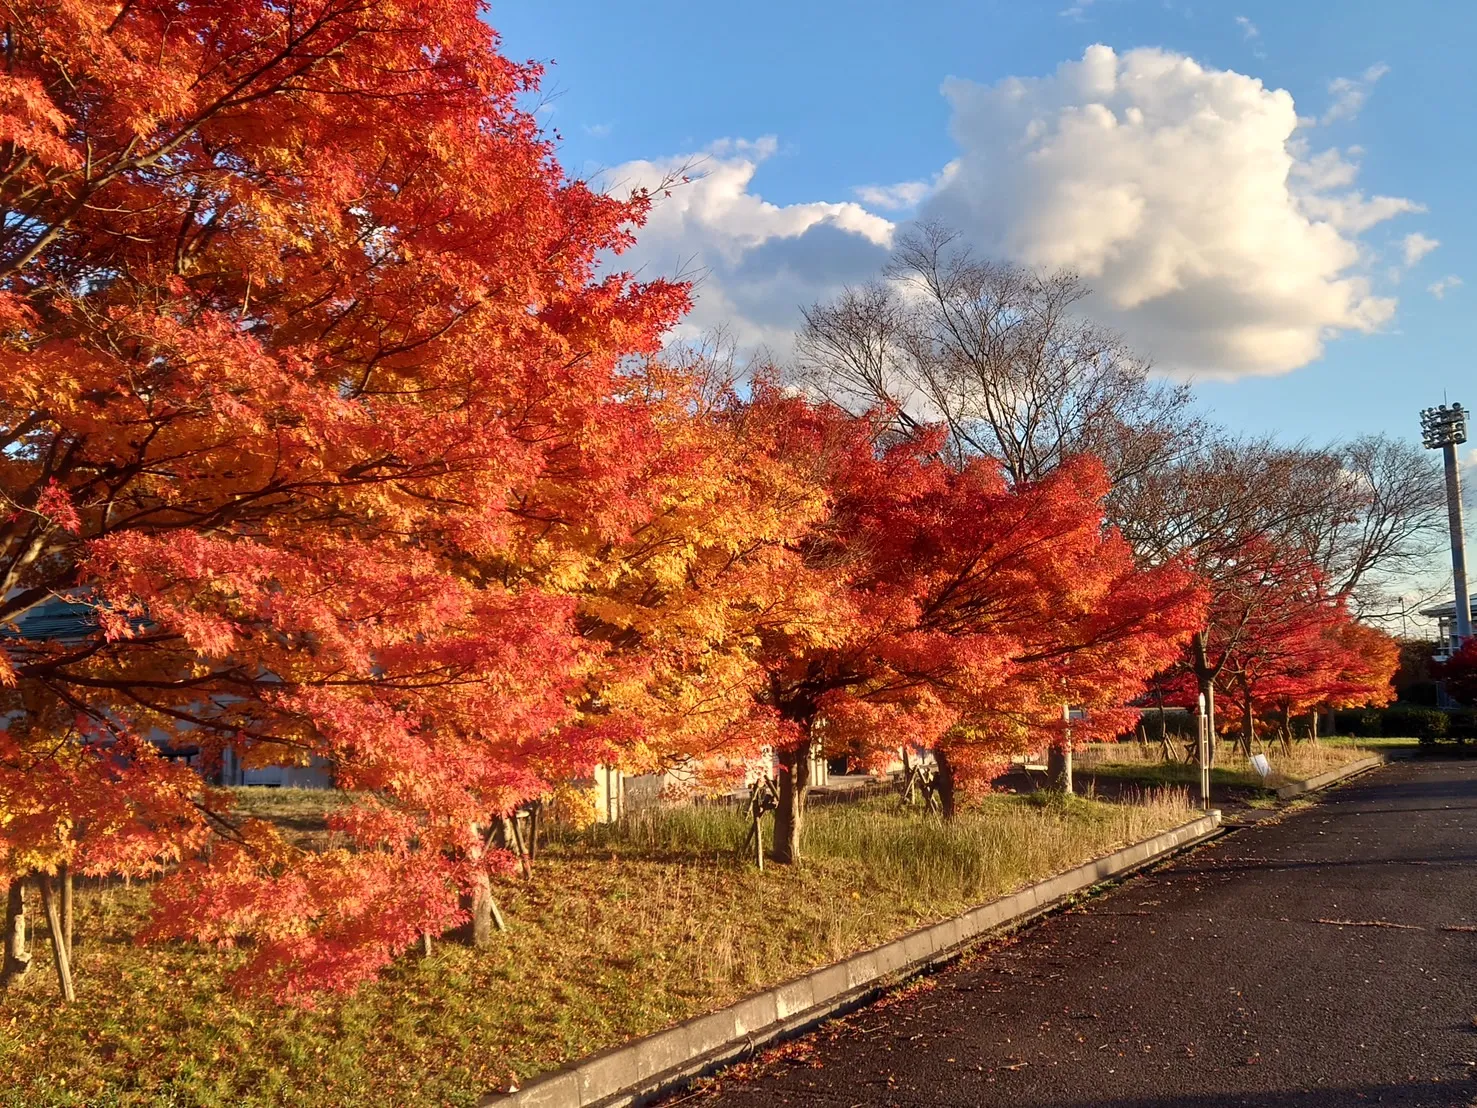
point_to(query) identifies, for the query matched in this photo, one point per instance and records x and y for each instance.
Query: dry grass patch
(1145, 762)
(621, 932)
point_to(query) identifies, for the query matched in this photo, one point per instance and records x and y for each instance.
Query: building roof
(57, 618)
(1447, 610)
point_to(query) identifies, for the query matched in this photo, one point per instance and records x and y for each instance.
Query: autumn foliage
(1459, 673)
(1279, 644)
(330, 417)
(965, 613)
(303, 331)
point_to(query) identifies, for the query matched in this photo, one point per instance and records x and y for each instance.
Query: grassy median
(622, 931)
(1144, 764)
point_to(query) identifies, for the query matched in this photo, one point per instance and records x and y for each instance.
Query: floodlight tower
(1444, 429)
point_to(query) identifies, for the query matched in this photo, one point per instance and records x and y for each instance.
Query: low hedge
(1398, 721)
(1401, 721)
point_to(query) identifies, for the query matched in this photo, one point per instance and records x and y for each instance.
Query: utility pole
(1444, 429)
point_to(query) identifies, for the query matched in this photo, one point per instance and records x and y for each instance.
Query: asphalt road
(1223, 978)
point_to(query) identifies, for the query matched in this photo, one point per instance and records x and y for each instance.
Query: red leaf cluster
(323, 418)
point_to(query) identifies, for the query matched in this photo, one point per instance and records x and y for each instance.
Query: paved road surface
(1215, 980)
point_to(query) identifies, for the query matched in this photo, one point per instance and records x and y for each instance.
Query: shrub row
(1399, 721)
(1407, 721)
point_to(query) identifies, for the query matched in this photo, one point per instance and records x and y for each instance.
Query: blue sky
(1306, 311)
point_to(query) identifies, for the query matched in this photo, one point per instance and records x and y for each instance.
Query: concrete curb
(1323, 780)
(635, 1072)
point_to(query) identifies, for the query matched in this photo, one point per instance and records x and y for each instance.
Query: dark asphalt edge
(563, 1088)
(855, 1045)
(963, 953)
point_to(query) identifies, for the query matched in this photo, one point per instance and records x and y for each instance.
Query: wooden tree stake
(58, 939)
(522, 850)
(64, 871)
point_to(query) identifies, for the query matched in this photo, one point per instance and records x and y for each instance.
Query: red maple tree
(958, 600)
(301, 324)
(1281, 645)
(1459, 673)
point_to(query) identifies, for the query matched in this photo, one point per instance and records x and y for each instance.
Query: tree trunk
(477, 902)
(943, 780)
(1205, 675)
(789, 817)
(481, 909)
(58, 940)
(17, 959)
(1059, 767)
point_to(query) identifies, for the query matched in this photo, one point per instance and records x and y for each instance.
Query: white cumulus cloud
(1441, 286)
(1217, 239)
(1416, 246)
(755, 264)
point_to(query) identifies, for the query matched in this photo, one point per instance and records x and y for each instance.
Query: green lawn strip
(1372, 745)
(619, 934)
(1178, 773)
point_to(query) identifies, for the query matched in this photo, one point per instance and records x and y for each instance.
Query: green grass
(998, 844)
(1372, 744)
(622, 931)
(299, 813)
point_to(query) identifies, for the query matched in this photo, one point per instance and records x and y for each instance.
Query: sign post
(1067, 750)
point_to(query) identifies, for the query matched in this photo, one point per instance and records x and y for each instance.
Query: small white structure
(1445, 617)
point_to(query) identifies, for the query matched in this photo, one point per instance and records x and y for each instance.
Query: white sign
(1261, 765)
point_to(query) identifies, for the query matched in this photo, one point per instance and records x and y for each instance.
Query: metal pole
(1067, 750)
(1463, 624)
(1445, 428)
(1203, 734)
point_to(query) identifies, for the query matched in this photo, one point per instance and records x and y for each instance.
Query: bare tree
(1382, 515)
(999, 354)
(1243, 511)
